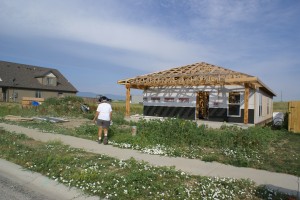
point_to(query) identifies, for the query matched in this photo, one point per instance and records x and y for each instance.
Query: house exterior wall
(218, 102)
(265, 113)
(1, 94)
(19, 93)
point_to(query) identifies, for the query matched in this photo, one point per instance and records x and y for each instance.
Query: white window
(234, 104)
(50, 81)
(38, 94)
(260, 105)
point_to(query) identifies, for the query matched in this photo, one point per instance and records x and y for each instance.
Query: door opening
(202, 105)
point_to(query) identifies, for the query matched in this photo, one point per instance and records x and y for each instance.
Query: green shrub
(67, 106)
(171, 132)
(118, 118)
(88, 130)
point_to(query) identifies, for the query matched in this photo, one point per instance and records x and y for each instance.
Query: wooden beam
(127, 114)
(241, 80)
(246, 104)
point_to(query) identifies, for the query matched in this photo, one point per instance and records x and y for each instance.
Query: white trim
(51, 75)
(260, 105)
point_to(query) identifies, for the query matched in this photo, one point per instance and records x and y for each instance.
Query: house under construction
(203, 91)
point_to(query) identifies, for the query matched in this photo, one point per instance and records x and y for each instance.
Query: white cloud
(254, 37)
(49, 20)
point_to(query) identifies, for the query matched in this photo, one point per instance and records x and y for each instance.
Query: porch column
(127, 113)
(246, 103)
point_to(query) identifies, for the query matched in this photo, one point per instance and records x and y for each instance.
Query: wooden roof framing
(197, 74)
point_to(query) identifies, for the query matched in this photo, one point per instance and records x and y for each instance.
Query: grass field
(280, 107)
(110, 178)
(257, 147)
(134, 108)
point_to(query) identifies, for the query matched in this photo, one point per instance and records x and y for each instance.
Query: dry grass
(280, 107)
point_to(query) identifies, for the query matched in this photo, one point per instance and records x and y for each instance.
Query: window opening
(168, 99)
(260, 106)
(155, 99)
(183, 100)
(234, 104)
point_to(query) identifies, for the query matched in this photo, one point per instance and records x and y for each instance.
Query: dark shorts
(103, 123)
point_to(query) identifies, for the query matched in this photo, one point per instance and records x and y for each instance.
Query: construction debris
(19, 118)
(51, 119)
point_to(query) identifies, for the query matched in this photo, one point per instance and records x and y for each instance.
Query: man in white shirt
(103, 117)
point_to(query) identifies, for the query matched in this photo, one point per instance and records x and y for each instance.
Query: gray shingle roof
(25, 76)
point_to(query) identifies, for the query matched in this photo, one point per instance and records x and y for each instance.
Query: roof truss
(198, 74)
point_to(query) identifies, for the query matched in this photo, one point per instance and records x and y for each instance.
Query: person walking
(103, 118)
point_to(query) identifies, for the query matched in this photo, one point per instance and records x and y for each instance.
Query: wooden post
(127, 114)
(246, 103)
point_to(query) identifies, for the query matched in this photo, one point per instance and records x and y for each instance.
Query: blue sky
(95, 43)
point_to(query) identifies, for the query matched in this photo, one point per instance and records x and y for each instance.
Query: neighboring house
(19, 80)
(203, 91)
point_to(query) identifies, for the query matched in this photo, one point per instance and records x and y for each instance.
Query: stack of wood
(17, 118)
(28, 101)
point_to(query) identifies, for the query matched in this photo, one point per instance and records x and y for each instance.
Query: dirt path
(283, 182)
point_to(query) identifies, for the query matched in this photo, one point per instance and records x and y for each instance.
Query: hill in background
(93, 95)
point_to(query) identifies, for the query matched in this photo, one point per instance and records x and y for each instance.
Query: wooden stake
(246, 103)
(127, 114)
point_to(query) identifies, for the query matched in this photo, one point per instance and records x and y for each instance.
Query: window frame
(38, 94)
(238, 103)
(50, 81)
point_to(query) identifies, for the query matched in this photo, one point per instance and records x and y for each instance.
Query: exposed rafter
(197, 74)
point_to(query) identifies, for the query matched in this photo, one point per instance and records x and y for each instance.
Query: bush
(171, 132)
(67, 106)
(179, 132)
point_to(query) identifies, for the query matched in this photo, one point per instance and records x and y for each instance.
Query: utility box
(294, 116)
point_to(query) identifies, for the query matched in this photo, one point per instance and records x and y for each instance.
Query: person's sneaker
(105, 140)
(99, 141)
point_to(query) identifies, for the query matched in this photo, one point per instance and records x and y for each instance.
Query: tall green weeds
(253, 147)
(109, 178)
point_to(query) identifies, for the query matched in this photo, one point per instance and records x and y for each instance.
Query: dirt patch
(75, 122)
(69, 123)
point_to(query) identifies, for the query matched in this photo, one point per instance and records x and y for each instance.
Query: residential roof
(25, 76)
(197, 74)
